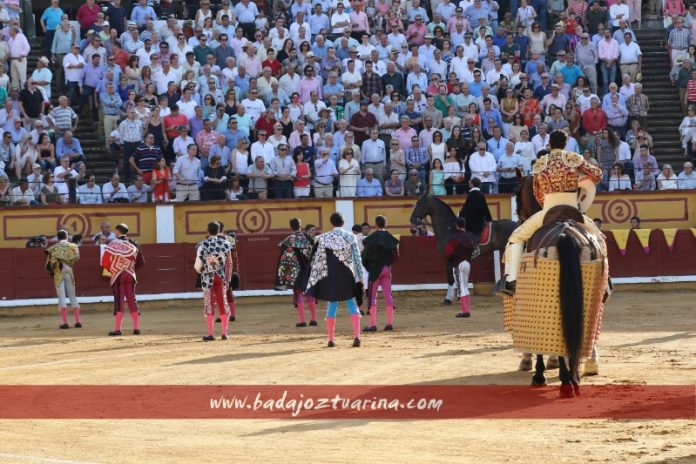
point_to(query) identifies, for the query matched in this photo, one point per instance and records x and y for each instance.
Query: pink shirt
(404, 137)
(358, 21)
(608, 50)
(452, 24)
(19, 47)
(306, 86)
(205, 140)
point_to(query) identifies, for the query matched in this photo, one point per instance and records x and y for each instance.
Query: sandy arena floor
(647, 338)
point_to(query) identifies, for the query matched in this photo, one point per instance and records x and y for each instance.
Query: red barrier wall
(169, 267)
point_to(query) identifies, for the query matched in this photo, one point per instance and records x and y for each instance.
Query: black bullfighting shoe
(505, 287)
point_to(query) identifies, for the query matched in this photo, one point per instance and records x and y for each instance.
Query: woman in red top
(303, 176)
(529, 107)
(160, 182)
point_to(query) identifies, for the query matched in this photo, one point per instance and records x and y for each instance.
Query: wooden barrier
(169, 267)
(186, 222)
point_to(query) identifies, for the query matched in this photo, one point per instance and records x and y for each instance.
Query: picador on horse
(556, 271)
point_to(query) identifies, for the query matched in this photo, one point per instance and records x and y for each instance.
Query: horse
(527, 205)
(443, 220)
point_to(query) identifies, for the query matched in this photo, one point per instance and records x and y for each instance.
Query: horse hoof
(591, 368)
(576, 389)
(525, 365)
(538, 381)
(552, 362)
(567, 391)
(446, 302)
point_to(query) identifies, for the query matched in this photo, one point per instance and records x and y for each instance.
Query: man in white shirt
(73, 64)
(312, 109)
(181, 142)
(114, 191)
(541, 140)
(253, 106)
(289, 81)
(187, 169)
(374, 155)
(483, 166)
(89, 193)
(22, 195)
(163, 77)
(630, 56)
(617, 12)
(687, 178)
(339, 19)
(187, 106)
(262, 147)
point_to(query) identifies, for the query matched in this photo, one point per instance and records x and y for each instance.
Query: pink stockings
(464, 304)
(300, 300)
(119, 320)
(384, 281)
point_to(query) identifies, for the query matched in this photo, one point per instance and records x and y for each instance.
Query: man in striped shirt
(62, 118)
(145, 157)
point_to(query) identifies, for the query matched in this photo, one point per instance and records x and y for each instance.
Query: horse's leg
(525, 362)
(592, 364)
(552, 362)
(539, 379)
(567, 390)
(575, 376)
(450, 284)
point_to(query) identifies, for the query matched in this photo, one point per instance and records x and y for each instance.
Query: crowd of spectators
(331, 98)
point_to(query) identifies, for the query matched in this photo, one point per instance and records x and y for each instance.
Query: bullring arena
(647, 339)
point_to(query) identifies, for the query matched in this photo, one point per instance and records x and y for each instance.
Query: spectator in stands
(369, 186)
(483, 166)
(49, 192)
(394, 186)
(325, 174)
(131, 132)
(619, 181)
(639, 105)
(114, 191)
(105, 234)
(259, 174)
(111, 104)
(284, 169)
(139, 191)
(687, 178)
(145, 158)
(349, 169)
(22, 195)
(667, 179)
(31, 102)
(62, 118)
(631, 57)
(89, 193)
(69, 146)
(414, 185)
(645, 180)
(186, 170)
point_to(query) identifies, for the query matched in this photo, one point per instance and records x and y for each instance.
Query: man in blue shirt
(570, 70)
(368, 186)
(497, 143)
(91, 77)
(50, 21)
(141, 13)
(490, 113)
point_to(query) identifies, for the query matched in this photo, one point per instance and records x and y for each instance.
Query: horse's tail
(571, 294)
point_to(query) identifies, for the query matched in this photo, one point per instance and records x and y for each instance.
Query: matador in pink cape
(122, 257)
